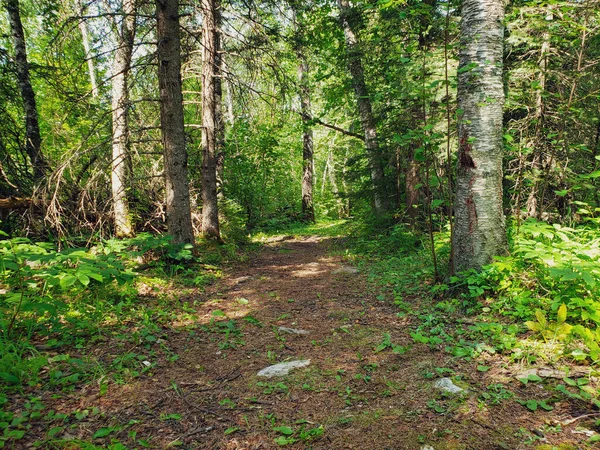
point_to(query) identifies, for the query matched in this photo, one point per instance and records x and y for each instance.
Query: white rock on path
(282, 369)
(292, 330)
(446, 385)
(427, 447)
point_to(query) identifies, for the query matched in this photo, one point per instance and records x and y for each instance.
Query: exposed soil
(211, 397)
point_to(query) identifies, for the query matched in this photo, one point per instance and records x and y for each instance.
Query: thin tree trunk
(536, 163)
(412, 188)
(121, 158)
(364, 108)
(33, 138)
(179, 218)
(308, 210)
(219, 117)
(85, 39)
(479, 218)
(210, 42)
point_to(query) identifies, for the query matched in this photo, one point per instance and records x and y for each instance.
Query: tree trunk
(479, 218)
(411, 188)
(210, 43)
(538, 119)
(364, 108)
(85, 39)
(308, 210)
(33, 138)
(179, 218)
(121, 162)
(219, 116)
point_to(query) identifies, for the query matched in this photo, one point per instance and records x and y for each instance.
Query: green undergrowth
(539, 306)
(97, 315)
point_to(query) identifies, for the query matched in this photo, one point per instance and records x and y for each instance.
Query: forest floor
(369, 385)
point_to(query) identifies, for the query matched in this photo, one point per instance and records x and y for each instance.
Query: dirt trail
(362, 399)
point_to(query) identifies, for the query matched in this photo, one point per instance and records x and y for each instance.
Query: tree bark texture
(538, 144)
(33, 144)
(85, 40)
(365, 110)
(308, 209)
(219, 115)
(179, 219)
(121, 158)
(210, 43)
(479, 218)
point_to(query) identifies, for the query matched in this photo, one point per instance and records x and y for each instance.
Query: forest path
(351, 396)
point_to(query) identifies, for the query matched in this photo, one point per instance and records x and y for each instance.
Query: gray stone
(347, 270)
(446, 385)
(292, 330)
(282, 369)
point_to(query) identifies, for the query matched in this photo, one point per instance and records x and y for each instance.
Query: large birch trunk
(210, 42)
(179, 218)
(365, 109)
(33, 143)
(121, 162)
(479, 220)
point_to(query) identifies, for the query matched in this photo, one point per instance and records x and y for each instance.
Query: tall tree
(365, 109)
(308, 163)
(179, 218)
(121, 159)
(33, 143)
(210, 60)
(479, 219)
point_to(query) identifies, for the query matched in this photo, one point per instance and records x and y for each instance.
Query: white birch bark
(479, 218)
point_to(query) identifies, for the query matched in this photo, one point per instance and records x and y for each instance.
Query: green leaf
(532, 405)
(103, 432)
(218, 313)
(282, 440)
(594, 438)
(54, 431)
(231, 430)
(533, 377)
(83, 279)
(67, 281)
(545, 405)
(284, 430)
(561, 315)
(483, 368)
(561, 193)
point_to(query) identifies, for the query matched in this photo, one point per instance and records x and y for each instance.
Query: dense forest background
(454, 145)
(408, 55)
